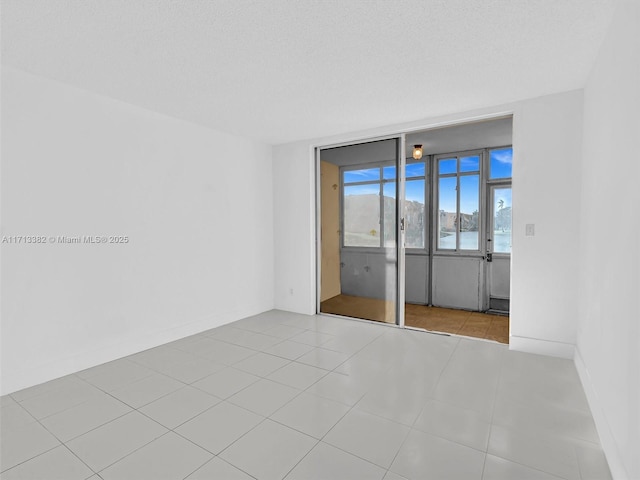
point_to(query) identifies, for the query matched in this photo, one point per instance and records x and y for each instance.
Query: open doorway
(453, 218)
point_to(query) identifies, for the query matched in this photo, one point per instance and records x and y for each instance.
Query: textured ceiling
(284, 70)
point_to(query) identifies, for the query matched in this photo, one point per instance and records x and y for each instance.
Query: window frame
(482, 155)
(431, 200)
(498, 183)
(381, 182)
(488, 167)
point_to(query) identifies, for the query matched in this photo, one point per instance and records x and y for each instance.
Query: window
(500, 163)
(369, 206)
(459, 202)
(414, 205)
(501, 222)
(500, 168)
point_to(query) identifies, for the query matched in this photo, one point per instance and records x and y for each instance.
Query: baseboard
(609, 445)
(139, 341)
(541, 347)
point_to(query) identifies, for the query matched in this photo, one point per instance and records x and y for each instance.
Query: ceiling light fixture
(417, 152)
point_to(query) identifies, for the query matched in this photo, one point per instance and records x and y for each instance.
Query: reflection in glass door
(358, 230)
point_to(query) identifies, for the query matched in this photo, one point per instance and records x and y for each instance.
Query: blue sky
(501, 161)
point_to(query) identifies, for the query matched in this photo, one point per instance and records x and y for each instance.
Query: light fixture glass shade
(417, 152)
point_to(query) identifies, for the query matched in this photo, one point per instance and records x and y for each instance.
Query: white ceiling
(285, 70)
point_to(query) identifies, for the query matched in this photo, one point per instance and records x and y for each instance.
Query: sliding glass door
(360, 253)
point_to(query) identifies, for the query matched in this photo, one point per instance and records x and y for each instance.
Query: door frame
(387, 133)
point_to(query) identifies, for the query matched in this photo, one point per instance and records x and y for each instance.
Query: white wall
(547, 136)
(196, 205)
(547, 143)
(294, 205)
(608, 341)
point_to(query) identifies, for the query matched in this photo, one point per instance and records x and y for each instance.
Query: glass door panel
(501, 220)
(447, 213)
(469, 215)
(358, 231)
(499, 247)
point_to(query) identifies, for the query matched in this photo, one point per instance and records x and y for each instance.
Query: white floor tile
(551, 455)
(12, 415)
(107, 444)
(323, 358)
(544, 418)
(219, 427)
(345, 345)
(289, 350)
(84, 417)
(258, 323)
(307, 322)
(59, 399)
(400, 404)
(194, 370)
(540, 369)
(312, 338)
(230, 334)
(311, 414)
(447, 389)
(367, 436)
(161, 358)
(226, 353)
(179, 406)
(347, 389)
(327, 462)
(297, 375)
(365, 367)
(146, 390)
(24, 443)
(226, 382)
(456, 424)
(261, 364)
(166, 458)
(259, 341)
(115, 374)
(393, 476)
(218, 469)
(264, 397)
(41, 388)
(592, 462)
(203, 346)
(283, 331)
(269, 459)
(560, 395)
(427, 457)
(185, 342)
(6, 400)
(56, 464)
(496, 468)
(468, 391)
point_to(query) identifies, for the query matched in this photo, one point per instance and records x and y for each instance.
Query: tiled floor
(290, 396)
